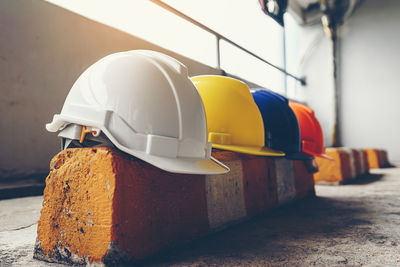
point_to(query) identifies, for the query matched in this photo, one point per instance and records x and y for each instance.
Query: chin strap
(71, 143)
(84, 132)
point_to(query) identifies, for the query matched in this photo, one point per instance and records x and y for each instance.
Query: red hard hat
(312, 138)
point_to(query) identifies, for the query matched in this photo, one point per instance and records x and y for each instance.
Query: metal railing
(219, 37)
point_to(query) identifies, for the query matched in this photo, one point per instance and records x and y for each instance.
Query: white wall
(183, 37)
(309, 54)
(370, 77)
(43, 50)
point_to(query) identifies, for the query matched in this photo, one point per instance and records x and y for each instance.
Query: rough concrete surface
(355, 224)
(18, 224)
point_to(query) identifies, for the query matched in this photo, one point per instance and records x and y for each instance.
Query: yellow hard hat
(234, 121)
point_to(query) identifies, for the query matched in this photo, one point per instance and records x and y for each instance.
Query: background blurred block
(338, 170)
(377, 158)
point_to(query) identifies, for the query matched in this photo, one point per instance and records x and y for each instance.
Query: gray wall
(43, 50)
(370, 77)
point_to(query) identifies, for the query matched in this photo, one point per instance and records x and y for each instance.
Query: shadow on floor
(388, 166)
(275, 234)
(365, 179)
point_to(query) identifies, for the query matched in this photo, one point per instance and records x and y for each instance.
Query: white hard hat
(146, 105)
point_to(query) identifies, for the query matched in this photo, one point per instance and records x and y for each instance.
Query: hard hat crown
(233, 119)
(145, 103)
(310, 130)
(282, 130)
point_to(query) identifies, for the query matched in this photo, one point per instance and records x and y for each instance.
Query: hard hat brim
(252, 150)
(322, 155)
(184, 165)
(299, 156)
(181, 165)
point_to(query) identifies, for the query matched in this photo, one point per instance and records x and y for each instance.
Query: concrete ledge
(31, 185)
(377, 158)
(101, 206)
(347, 164)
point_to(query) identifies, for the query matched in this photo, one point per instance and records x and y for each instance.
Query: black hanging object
(275, 9)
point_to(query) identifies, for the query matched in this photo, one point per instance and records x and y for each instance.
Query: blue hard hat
(282, 131)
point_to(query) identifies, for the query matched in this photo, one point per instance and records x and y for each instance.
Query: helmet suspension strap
(84, 132)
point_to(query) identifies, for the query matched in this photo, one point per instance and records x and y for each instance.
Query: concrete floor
(356, 224)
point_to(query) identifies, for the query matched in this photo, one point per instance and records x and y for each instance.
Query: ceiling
(307, 12)
(305, 3)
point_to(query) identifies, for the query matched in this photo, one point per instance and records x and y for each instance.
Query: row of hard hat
(144, 103)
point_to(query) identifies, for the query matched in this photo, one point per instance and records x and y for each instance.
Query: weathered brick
(377, 158)
(101, 205)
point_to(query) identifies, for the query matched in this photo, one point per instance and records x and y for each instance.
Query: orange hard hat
(312, 138)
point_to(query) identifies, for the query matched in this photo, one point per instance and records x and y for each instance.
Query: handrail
(219, 36)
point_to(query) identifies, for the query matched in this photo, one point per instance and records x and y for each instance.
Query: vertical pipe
(335, 138)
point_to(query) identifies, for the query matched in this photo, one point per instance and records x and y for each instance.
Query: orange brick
(77, 204)
(100, 204)
(374, 161)
(338, 170)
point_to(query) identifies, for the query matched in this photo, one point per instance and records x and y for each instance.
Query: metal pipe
(219, 36)
(218, 54)
(284, 59)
